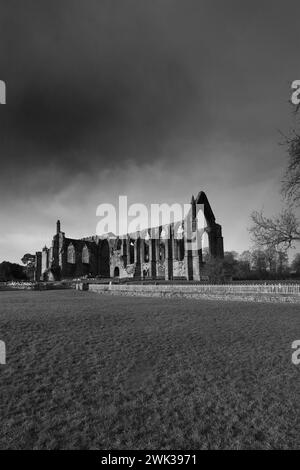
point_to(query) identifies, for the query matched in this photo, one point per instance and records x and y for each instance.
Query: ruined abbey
(141, 255)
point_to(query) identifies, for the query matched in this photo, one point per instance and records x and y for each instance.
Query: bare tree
(279, 232)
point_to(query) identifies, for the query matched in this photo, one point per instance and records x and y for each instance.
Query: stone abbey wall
(147, 254)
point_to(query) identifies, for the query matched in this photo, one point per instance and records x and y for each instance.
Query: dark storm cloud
(151, 98)
(92, 83)
(104, 115)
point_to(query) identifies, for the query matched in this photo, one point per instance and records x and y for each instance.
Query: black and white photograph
(149, 228)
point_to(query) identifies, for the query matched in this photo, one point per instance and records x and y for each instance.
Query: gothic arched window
(71, 254)
(205, 247)
(85, 255)
(179, 233)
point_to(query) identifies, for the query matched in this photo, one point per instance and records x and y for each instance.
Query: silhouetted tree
(28, 259)
(215, 270)
(295, 266)
(11, 272)
(259, 262)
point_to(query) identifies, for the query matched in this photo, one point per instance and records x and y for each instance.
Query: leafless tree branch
(279, 232)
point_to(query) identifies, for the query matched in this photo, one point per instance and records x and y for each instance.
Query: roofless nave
(141, 256)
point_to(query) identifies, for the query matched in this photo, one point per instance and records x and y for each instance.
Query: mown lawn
(86, 371)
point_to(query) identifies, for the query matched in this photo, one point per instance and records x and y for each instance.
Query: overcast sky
(155, 99)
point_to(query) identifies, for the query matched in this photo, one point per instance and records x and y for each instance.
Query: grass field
(86, 371)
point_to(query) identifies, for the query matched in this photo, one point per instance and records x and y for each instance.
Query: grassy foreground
(86, 371)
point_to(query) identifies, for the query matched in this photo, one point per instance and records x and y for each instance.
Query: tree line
(252, 265)
(16, 272)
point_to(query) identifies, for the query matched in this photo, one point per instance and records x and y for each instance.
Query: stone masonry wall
(289, 294)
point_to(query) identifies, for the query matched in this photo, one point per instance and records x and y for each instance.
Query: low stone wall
(250, 293)
(36, 286)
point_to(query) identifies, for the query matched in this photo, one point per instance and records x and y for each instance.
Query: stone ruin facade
(148, 254)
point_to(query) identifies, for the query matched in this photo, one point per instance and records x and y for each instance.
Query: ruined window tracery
(71, 257)
(85, 255)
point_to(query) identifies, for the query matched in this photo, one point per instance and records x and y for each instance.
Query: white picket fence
(214, 289)
(292, 289)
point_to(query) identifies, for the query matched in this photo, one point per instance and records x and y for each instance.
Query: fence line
(205, 289)
(253, 288)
